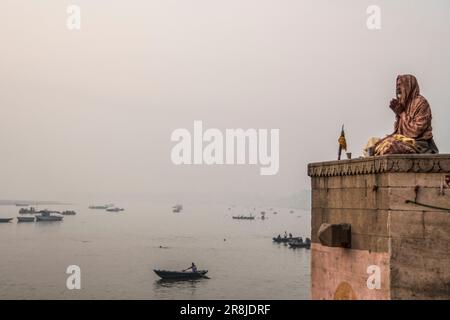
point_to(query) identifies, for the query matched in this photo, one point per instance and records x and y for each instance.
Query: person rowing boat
(193, 267)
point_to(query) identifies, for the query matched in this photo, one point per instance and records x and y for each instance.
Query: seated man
(193, 267)
(412, 129)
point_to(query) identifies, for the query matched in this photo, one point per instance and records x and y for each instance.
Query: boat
(25, 219)
(244, 217)
(300, 244)
(115, 209)
(99, 207)
(181, 275)
(31, 210)
(68, 213)
(22, 204)
(46, 215)
(286, 239)
(5, 220)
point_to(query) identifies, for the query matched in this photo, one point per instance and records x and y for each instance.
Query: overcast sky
(88, 114)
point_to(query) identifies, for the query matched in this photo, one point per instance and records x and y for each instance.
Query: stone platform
(398, 207)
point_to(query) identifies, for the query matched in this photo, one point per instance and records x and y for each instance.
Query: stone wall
(408, 241)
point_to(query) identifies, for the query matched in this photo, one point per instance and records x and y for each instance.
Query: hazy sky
(88, 114)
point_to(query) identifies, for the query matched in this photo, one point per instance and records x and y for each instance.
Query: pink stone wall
(338, 273)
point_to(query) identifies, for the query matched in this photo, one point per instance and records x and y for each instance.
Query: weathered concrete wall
(410, 243)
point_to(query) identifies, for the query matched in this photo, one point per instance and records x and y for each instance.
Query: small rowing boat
(115, 209)
(68, 213)
(181, 275)
(286, 239)
(244, 217)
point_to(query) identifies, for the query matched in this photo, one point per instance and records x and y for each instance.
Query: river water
(117, 252)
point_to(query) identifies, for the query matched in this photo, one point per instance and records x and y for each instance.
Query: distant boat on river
(46, 215)
(244, 217)
(68, 213)
(105, 206)
(181, 275)
(115, 209)
(25, 219)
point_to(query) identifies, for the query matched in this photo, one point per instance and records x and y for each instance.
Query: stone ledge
(415, 163)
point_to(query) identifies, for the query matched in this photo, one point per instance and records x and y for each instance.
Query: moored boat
(181, 275)
(300, 244)
(5, 220)
(46, 215)
(286, 239)
(25, 219)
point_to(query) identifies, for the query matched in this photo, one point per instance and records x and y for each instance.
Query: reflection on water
(117, 253)
(163, 288)
(180, 284)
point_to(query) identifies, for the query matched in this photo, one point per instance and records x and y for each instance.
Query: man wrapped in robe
(412, 128)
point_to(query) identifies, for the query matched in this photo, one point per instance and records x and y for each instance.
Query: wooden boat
(99, 207)
(68, 213)
(244, 217)
(115, 209)
(5, 220)
(181, 275)
(286, 240)
(25, 219)
(300, 243)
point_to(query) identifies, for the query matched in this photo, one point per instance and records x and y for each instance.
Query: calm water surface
(117, 252)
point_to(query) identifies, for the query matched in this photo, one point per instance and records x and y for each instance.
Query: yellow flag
(342, 141)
